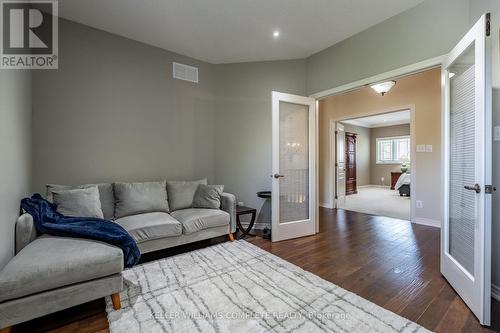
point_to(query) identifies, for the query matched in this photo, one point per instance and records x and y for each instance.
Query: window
(393, 150)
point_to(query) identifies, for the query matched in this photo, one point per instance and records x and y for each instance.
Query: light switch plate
(420, 148)
(428, 148)
(496, 133)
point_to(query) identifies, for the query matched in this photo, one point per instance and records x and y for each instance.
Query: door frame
(413, 149)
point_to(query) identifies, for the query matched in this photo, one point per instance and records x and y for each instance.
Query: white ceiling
(382, 120)
(225, 31)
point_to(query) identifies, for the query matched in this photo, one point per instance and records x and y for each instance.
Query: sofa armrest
(25, 231)
(228, 204)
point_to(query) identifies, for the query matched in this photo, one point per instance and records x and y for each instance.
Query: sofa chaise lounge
(50, 273)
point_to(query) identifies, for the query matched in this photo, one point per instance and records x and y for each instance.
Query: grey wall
(363, 152)
(243, 124)
(428, 30)
(377, 171)
(15, 150)
(113, 112)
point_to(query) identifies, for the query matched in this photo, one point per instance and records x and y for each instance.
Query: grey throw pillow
(78, 202)
(181, 193)
(106, 196)
(208, 196)
(138, 198)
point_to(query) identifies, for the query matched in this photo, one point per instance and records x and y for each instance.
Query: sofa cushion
(181, 193)
(208, 196)
(51, 262)
(150, 226)
(106, 196)
(196, 219)
(78, 202)
(138, 198)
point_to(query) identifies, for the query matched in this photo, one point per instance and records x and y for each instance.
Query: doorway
(378, 171)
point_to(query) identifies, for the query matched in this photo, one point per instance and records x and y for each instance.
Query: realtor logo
(29, 34)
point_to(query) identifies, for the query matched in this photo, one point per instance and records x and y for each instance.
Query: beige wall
(377, 171)
(363, 152)
(423, 91)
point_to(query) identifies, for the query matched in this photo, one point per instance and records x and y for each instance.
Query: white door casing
(467, 169)
(294, 166)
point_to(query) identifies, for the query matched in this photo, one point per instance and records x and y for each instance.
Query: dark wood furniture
(350, 164)
(243, 210)
(394, 178)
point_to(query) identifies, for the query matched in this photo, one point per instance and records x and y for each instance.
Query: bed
(403, 184)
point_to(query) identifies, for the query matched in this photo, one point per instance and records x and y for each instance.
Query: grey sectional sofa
(50, 273)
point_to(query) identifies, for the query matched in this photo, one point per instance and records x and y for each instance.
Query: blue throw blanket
(49, 221)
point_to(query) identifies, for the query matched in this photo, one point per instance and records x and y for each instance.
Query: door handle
(277, 176)
(476, 188)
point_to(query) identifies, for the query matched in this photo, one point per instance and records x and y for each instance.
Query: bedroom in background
(378, 144)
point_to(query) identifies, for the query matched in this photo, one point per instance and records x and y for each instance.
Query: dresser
(394, 178)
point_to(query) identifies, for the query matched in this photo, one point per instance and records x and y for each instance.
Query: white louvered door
(467, 155)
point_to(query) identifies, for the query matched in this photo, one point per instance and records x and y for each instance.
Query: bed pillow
(78, 202)
(208, 196)
(138, 198)
(181, 193)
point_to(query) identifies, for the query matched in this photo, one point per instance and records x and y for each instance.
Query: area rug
(238, 287)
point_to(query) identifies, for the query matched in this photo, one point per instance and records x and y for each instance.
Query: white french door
(294, 171)
(340, 165)
(467, 156)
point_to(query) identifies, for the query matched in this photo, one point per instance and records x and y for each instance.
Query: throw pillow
(106, 196)
(78, 202)
(181, 193)
(208, 196)
(138, 198)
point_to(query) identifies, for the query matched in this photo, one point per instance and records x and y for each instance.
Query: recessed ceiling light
(276, 33)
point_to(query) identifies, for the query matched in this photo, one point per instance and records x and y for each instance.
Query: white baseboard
(428, 222)
(325, 205)
(495, 292)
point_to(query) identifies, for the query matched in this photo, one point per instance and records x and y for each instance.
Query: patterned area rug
(238, 287)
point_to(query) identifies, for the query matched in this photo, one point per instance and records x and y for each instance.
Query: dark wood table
(243, 210)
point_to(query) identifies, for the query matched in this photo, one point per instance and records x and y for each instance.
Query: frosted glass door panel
(294, 162)
(462, 172)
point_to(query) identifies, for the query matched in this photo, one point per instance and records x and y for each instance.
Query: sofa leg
(6, 329)
(231, 237)
(115, 298)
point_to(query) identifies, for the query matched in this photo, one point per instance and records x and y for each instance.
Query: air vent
(185, 72)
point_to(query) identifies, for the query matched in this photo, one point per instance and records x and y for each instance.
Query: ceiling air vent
(185, 72)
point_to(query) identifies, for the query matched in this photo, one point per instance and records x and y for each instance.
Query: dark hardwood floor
(392, 263)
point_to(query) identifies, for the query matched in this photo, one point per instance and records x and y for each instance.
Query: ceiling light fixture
(276, 33)
(383, 87)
